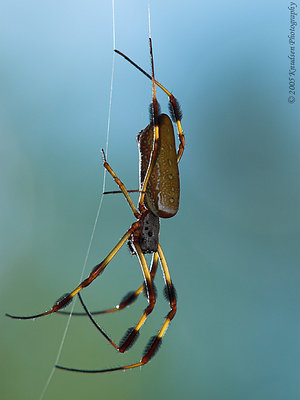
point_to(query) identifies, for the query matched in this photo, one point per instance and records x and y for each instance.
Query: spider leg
(132, 333)
(121, 185)
(155, 341)
(125, 302)
(66, 298)
(154, 153)
(174, 106)
(170, 293)
(95, 323)
(120, 191)
(89, 314)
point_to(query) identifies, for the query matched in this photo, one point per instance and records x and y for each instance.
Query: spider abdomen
(163, 189)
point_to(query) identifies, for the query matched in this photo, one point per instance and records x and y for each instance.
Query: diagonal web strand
(97, 214)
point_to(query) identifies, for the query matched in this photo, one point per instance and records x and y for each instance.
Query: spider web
(100, 201)
(97, 214)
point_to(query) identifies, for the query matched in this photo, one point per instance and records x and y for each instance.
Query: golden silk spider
(159, 198)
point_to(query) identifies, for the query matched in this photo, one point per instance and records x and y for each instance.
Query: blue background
(233, 248)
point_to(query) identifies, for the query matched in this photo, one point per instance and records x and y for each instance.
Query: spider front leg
(126, 301)
(132, 333)
(148, 240)
(67, 298)
(155, 341)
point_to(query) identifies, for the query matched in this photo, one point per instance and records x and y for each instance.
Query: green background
(233, 248)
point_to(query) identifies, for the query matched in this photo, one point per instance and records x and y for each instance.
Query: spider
(159, 198)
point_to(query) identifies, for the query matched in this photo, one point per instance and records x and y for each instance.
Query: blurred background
(232, 249)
